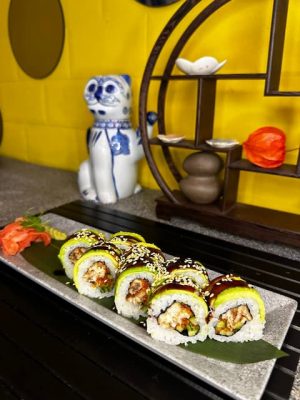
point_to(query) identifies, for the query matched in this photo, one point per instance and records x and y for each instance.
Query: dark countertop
(30, 188)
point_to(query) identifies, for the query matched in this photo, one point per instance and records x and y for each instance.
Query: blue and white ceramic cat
(110, 173)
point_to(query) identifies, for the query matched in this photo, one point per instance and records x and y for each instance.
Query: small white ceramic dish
(203, 66)
(222, 143)
(170, 138)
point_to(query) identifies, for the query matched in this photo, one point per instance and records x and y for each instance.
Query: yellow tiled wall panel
(45, 121)
(47, 144)
(65, 105)
(14, 142)
(23, 102)
(8, 66)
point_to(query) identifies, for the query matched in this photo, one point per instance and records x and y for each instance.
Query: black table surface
(52, 350)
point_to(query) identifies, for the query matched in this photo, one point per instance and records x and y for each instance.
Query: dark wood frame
(227, 214)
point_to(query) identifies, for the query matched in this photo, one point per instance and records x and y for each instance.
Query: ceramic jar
(202, 185)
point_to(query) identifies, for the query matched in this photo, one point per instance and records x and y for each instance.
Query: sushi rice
(237, 313)
(81, 240)
(169, 335)
(176, 296)
(123, 305)
(86, 279)
(140, 266)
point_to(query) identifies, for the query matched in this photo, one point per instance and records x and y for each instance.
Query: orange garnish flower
(265, 147)
(14, 238)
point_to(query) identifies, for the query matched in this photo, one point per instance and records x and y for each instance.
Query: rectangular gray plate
(246, 382)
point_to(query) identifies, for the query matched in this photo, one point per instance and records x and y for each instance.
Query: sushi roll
(76, 245)
(95, 272)
(134, 282)
(124, 240)
(237, 311)
(146, 250)
(177, 312)
(186, 267)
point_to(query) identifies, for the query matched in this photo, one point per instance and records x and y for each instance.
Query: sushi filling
(138, 291)
(99, 276)
(233, 320)
(76, 253)
(180, 317)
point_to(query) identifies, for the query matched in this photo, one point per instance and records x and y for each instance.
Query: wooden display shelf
(227, 215)
(245, 220)
(190, 144)
(214, 77)
(289, 170)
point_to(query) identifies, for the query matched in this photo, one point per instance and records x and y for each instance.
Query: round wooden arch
(1, 127)
(154, 55)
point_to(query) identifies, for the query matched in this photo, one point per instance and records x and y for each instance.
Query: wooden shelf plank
(281, 93)
(288, 170)
(190, 144)
(242, 219)
(216, 76)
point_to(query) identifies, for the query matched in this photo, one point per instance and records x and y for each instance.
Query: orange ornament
(265, 147)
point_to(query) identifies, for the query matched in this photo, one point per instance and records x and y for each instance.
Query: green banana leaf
(46, 260)
(238, 353)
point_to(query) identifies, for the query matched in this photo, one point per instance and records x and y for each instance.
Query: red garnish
(15, 237)
(265, 147)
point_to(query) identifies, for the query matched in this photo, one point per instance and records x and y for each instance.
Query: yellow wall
(45, 120)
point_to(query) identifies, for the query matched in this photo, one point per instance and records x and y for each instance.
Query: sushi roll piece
(237, 311)
(177, 312)
(146, 250)
(124, 240)
(76, 245)
(95, 272)
(133, 285)
(186, 267)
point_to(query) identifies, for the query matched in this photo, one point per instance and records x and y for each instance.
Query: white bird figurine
(203, 66)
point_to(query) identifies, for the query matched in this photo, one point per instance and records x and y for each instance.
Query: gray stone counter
(30, 188)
